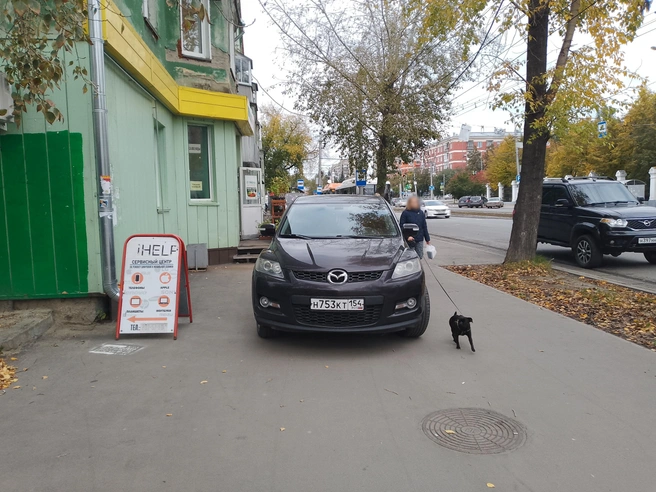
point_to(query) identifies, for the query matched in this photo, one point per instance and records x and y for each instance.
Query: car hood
(637, 212)
(354, 255)
(436, 207)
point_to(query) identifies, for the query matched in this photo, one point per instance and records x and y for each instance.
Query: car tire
(586, 252)
(265, 331)
(419, 330)
(650, 256)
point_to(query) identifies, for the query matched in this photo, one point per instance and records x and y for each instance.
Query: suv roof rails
(567, 179)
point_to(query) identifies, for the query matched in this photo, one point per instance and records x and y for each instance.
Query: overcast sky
(262, 39)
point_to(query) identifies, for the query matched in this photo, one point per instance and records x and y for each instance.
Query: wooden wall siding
(134, 118)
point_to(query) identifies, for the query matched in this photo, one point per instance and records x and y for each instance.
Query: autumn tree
(502, 163)
(633, 141)
(34, 36)
(286, 144)
(551, 95)
(376, 76)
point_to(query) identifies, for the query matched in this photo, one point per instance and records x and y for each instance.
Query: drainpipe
(106, 209)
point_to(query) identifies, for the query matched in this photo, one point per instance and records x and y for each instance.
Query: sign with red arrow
(154, 275)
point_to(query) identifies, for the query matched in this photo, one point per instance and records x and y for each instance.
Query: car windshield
(586, 194)
(433, 203)
(334, 220)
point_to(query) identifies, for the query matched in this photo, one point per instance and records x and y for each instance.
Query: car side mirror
(562, 202)
(407, 228)
(641, 199)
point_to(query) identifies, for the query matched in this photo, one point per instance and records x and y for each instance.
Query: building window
(149, 10)
(243, 67)
(470, 145)
(194, 32)
(489, 144)
(200, 162)
(479, 144)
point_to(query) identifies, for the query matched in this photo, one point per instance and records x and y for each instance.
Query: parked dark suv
(594, 217)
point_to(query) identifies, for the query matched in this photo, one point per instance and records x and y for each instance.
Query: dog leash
(442, 287)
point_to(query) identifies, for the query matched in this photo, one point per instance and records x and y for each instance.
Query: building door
(250, 192)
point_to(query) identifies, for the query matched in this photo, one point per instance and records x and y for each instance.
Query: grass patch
(618, 310)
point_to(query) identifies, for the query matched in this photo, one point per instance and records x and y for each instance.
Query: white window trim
(210, 164)
(205, 45)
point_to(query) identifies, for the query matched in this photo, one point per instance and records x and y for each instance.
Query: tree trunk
(523, 238)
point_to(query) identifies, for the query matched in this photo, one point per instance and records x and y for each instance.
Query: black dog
(461, 326)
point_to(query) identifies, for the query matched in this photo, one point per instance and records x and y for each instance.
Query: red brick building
(451, 152)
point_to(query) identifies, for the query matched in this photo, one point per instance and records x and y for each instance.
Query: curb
(642, 287)
(26, 330)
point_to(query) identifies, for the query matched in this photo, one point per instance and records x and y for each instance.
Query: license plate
(647, 240)
(337, 304)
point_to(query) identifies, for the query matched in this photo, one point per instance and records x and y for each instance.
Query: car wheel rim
(584, 251)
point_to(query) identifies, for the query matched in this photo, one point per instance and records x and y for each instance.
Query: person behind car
(414, 215)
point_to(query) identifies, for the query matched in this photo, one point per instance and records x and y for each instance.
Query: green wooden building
(175, 124)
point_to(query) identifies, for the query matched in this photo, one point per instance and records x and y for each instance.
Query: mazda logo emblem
(337, 277)
(647, 222)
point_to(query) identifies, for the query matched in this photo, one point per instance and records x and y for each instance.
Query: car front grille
(337, 319)
(641, 224)
(352, 277)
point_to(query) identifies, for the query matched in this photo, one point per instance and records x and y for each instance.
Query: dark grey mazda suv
(339, 263)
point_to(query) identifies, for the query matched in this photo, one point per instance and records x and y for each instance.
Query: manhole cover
(474, 430)
(115, 349)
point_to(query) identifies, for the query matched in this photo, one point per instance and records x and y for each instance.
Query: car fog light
(264, 302)
(411, 303)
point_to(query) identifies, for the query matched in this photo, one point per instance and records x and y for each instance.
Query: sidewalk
(351, 406)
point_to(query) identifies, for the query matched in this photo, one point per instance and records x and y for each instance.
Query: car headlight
(615, 222)
(269, 267)
(407, 267)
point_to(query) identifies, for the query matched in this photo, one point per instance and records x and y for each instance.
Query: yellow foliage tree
(502, 163)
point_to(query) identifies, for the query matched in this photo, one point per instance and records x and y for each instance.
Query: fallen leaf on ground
(44, 377)
(163, 367)
(326, 367)
(282, 429)
(203, 382)
(169, 415)
(13, 358)
(224, 371)
(490, 485)
(301, 401)
(16, 387)
(449, 431)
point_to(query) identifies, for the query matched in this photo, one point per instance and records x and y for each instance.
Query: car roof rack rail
(569, 178)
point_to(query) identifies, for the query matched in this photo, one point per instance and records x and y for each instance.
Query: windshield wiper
(353, 236)
(295, 236)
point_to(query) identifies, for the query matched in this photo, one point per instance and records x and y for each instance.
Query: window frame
(205, 30)
(147, 15)
(239, 60)
(210, 163)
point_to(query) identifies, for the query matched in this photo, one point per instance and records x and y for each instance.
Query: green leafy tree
(286, 144)
(376, 76)
(474, 161)
(35, 35)
(463, 184)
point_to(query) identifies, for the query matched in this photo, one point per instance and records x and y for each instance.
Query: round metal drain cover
(474, 430)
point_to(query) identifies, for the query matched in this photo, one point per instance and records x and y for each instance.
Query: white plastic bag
(431, 251)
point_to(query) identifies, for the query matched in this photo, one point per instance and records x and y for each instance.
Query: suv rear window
(585, 194)
(334, 220)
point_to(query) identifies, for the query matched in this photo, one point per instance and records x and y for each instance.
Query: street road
(220, 410)
(494, 233)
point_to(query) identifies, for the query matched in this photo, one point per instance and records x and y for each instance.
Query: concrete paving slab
(351, 406)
